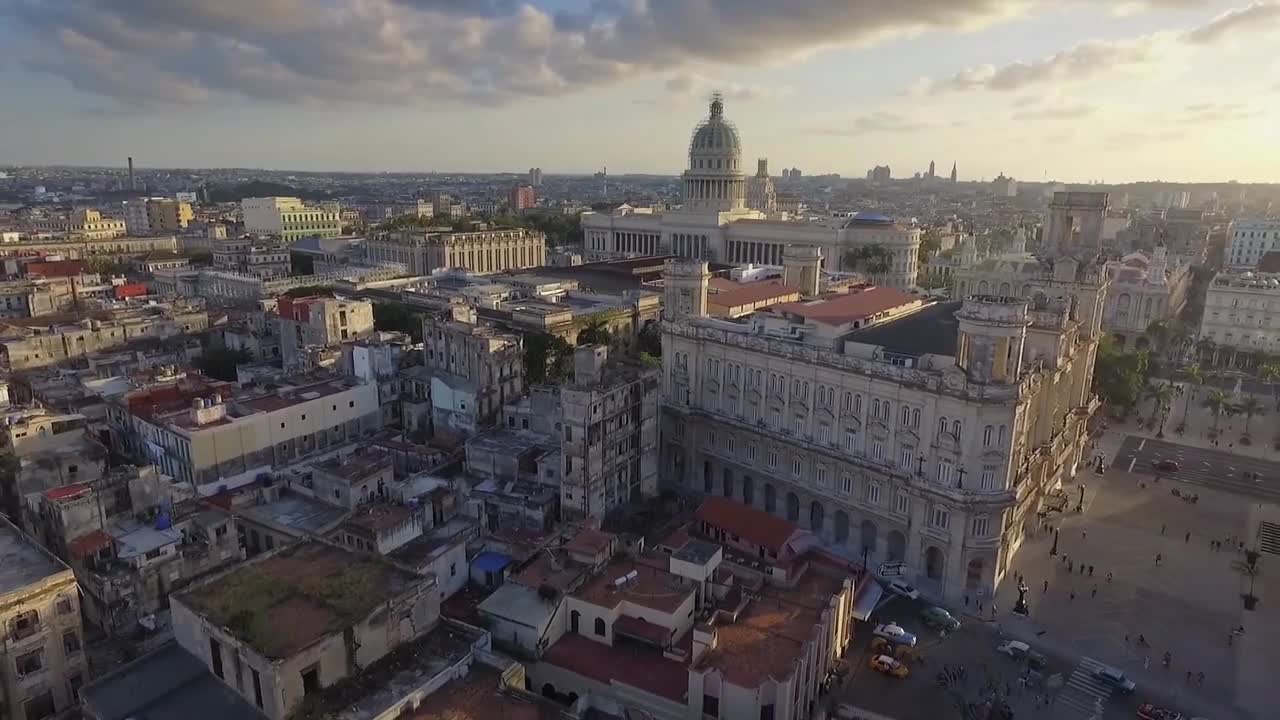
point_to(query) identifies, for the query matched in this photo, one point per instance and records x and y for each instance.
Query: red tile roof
(589, 542)
(754, 526)
(89, 543)
(748, 293)
(640, 668)
(643, 629)
(66, 492)
(837, 309)
(57, 268)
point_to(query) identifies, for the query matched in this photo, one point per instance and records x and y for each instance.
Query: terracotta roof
(748, 293)
(89, 543)
(638, 667)
(651, 587)
(66, 492)
(836, 309)
(754, 526)
(643, 629)
(589, 542)
(478, 696)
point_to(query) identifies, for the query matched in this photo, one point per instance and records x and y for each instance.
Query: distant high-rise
(953, 171)
(535, 177)
(522, 197)
(931, 170)
(881, 173)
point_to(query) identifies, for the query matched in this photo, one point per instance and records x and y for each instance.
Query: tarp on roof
(89, 543)
(491, 561)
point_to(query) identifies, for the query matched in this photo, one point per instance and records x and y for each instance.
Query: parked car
(897, 587)
(1147, 711)
(889, 666)
(936, 617)
(1115, 679)
(1165, 465)
(895, 634)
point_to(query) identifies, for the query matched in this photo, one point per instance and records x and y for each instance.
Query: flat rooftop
(478, 696)
(303, 593)
(292, 396)
(652, 587)
(847, 307)
(168, 684)
(355, 466)
(931, 331)
(22, 562)
(296, 512)
(644, 668)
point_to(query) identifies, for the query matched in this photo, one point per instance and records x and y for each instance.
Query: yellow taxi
(888, 666)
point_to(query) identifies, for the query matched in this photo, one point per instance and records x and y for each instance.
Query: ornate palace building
(894, 428)
(716, 223)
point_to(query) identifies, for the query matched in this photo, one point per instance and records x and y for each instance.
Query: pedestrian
(1094, 593)
(1046, 588)
(1108, 578)
(1188, 538)
(1188, 677)
(1162, 529)
(1072, 596)
(993, 611)
(1146, 662)
(1081, 568)
(1090, 571)
(1071, 567)
(966, 601)
(1158, 559)
(1200, 678)
(1084, 534)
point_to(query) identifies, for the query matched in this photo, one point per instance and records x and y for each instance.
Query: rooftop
(754, 526)
(22, 562)
(366, 461)
(168, 684)
(640, 667)
(931, 331)
(379, 516)
(589, 542)
(652, 587)
(841, 308)
(296, 512)
(478, 696)
(287, 601)
(747, 293)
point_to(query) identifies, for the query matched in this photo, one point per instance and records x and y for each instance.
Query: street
(1201, 466)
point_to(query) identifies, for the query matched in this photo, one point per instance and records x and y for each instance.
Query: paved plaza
(1185, 605)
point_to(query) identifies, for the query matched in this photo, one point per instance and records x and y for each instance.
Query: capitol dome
(714, 181)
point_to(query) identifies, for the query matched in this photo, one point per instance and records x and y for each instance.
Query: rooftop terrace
(22, 562)
(287, 601)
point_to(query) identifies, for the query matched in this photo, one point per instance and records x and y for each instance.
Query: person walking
(1090, 571)
(1094, 593)
(1163, 528)
(1108, 578)
(1084, 535)
(1146, 662)
(1081, 568)
(1158, 559)
(1046, 588)
(1200, 678)
(1072, 597)
(1187, 538)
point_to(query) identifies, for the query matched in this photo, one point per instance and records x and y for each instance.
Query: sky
(1072, 90)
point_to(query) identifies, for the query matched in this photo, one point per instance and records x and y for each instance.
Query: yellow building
(168, 216)
(290, 218)
(84, 224)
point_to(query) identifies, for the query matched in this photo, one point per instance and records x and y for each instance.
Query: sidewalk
(1263, 429)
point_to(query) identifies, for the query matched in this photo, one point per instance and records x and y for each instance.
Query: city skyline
(1086, 91)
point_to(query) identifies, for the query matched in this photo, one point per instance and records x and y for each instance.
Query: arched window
(988, 433)
(848, 402)
(955, 429)
(1003, 431)
(915, 418)
(857, 404)
(600, 627)
(574, 618)
(942, 425)
(906, 415)
(875, 408)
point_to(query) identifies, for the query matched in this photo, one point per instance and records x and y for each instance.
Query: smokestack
(132, 184)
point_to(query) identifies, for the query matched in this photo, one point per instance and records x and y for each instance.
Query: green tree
(1161, 394)
(547, 358)
(930, 243)
(1159, 331)
(1195, 377)
(393, 317)
(1219, 403)
(1120, 377)
(650, 340)
(221, 363)
(1270, 374)
(1249, 407)
(873, 259)
(594, 330)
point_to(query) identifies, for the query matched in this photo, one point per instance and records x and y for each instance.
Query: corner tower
(993, 330)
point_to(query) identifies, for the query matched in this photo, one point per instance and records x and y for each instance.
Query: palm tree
(1158, 331)
(1161, 394)
(1219, 403)
(1180, 337)
(1270, 374)
(1196, 377)
(1249, 407)
(595, 331)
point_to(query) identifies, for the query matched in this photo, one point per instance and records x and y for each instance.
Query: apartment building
(202, 434)
(83, 224)
(482, 251)
(1248, 239)
(475, 369)
(609, 426)
(320, 322)
(157, 215)
(1241, 318)
(264, 258)
(284, 626)
(42, 659)
(290, 218)
(52, 339)
(898, 431)
(81, 247)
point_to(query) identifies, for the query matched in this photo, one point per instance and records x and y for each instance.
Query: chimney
(132, 185)
(588, 362)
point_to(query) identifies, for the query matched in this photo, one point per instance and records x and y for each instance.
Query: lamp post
(960, 479)
(1080, 502)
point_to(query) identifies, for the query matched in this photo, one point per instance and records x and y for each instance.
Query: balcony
(30, 635)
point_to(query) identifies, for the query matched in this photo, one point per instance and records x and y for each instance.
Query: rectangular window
(940, 518)
(751, 452)
(710, 706)
(981, 526)
(846, 483)
(257, 688)
(906, 457)
(988, 477)
(821, 476)
(877, 450)
(711, 440)
(32, 662)
(902, 503)
(796, 466)
(850, 440)
(773, 458)
(730, 445)
(944, 472)
(824, 433)
(680, 429)
(873, 493)
(70, 642)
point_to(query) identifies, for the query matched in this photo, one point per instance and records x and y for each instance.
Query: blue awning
(491, 561)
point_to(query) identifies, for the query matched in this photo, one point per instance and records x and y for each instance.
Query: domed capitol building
(715, 223)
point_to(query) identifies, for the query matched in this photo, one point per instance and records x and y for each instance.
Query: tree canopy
(1120, 377)
(547, 358)
(220, 363)
(873, 259)
(392, 317)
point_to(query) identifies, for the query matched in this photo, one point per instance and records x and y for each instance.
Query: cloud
(1258, 17)
(430, 52)
(692, 84)
(1051, 111)
(1212, 112)
(877, 122)
(1093, 58)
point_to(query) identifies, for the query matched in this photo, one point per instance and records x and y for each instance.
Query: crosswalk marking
(1083, 695)
(1269, 537)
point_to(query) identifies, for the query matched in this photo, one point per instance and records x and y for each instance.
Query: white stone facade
(1249, 239)
(1145, 288)
(1242, 315)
